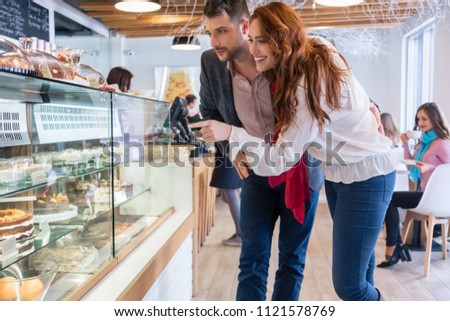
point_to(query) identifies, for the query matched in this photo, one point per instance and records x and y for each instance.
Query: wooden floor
(404, 281)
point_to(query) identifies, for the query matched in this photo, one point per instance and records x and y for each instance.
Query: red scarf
(296, 189)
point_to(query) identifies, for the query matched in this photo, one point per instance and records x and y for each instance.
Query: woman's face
(424, 121)
(259, 47)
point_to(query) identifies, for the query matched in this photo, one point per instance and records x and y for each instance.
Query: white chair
(433, 208)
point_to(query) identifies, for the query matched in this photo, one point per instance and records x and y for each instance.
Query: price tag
(120, 197)
(10, 253)
(44, 234)
(92, 79)
(38, 177)
(45, 71)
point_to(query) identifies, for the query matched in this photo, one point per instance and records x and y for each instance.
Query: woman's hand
(404, 138)
(423, 167)
(213, 130)
(241, 165)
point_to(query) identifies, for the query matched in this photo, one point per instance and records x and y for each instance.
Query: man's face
(227, 38)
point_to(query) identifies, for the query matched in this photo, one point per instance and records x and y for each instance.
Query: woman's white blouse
(349, 145)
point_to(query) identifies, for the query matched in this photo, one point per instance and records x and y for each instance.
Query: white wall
(442, 66)
(381, 75)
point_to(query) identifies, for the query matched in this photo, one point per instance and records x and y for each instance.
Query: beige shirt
(253, 103)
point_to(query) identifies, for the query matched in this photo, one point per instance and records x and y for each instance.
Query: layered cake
(18, 224)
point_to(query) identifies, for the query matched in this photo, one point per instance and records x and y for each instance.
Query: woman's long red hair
(298, 56)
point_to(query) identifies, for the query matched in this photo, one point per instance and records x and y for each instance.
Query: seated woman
(432, 150)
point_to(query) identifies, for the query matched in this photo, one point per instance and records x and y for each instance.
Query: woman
(320, 106)
(390, 129)
(432, 151)
(226, 178)
(121, 77)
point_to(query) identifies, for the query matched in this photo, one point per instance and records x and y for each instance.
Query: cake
(11, 172)
(51, 204)
(71, 258)
(18, 224)
(127, 187)
(53, 208)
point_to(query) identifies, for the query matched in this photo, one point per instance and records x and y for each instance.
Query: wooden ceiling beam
(186, 18)
(109, 5)
(190, 29)
(157, 20)
(354, 24)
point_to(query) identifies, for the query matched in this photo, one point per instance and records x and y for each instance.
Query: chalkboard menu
(20, 18)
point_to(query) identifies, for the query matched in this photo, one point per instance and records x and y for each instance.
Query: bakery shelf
(55, 234)
(51, 121)
(7, 191)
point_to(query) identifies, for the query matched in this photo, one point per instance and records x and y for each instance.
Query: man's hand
(241, 165)
(213, 130)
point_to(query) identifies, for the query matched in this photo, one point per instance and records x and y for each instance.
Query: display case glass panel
(76, 185)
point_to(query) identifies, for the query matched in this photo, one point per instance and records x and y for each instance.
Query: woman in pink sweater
(432, 150)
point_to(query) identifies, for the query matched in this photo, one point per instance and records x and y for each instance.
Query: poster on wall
(176, 81)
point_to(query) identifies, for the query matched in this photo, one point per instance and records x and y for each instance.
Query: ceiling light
(338, 3)
(185, 43)
(138, 5)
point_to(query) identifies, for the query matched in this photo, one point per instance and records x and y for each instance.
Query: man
(232, 91)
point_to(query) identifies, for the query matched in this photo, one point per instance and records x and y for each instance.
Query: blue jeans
(261, 206)
(358, 211)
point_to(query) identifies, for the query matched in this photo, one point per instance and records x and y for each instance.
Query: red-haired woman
(319, 106)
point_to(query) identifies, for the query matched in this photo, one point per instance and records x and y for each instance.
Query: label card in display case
(64, 124)
(13, 125)
(9, 251)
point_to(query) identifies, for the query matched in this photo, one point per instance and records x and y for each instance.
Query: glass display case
(77, 187)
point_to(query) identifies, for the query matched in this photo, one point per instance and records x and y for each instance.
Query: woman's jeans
(358, 211)
(261, 206)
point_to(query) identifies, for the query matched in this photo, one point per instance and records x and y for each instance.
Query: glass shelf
(55, 234)
(53, 118)
(7, 191)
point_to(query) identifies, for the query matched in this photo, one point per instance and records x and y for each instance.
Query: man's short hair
(236, 9)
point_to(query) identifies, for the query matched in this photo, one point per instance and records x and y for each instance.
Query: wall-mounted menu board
(20, 18)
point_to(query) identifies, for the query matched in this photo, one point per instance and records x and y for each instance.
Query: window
(417, 75)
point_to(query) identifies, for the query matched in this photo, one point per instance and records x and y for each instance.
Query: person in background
(390, 128)
(432, 150)
(194, 114)
(376, 113)
(226, 178)
(121, 77)
(318, 105)
(233, 91)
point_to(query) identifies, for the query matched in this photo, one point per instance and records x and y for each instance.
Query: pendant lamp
(138, 5)
(185, 43)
